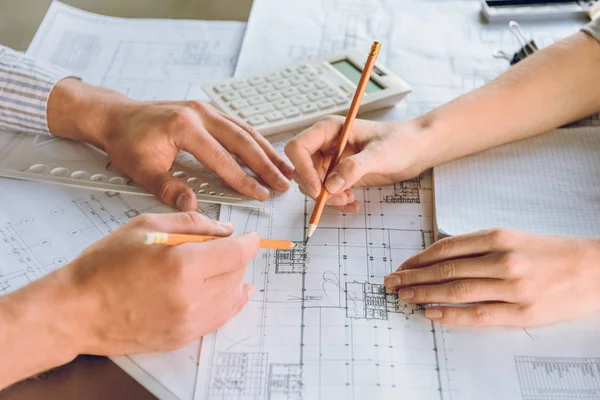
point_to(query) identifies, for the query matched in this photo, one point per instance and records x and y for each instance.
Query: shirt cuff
(25, 86)
(593, 29)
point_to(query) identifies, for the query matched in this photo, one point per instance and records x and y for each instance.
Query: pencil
(343, 138)
(174, 239)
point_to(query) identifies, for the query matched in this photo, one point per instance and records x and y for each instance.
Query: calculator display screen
(352, 72)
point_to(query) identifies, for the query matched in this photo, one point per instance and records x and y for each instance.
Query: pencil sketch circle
(75, 232)
(27, 221)
(57, 211)
(45, 242)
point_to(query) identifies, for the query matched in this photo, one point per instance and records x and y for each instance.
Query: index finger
(221, 256)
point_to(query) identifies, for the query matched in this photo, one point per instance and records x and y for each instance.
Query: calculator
(296, 96)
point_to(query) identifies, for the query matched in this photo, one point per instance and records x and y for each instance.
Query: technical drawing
(405, 192)
(239, 374)
(549, 378)
(321, 314)
(75, 51)
(285, 382)
(291, 261)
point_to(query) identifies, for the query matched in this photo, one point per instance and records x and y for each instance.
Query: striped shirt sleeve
(593, 29)
(25, 86)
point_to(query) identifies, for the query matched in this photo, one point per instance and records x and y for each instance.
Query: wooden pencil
(174, 239)
(343, 138)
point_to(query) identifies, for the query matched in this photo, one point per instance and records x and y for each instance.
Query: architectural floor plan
(321, 324)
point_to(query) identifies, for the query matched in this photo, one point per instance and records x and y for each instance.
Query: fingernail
(183, 202)
(433, 313)
(392, 281)
(283, 183)
(226, 226)
(406, 294)
(334, 183)
(262, 192)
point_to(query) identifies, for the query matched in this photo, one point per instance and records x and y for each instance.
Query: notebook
(549, 184)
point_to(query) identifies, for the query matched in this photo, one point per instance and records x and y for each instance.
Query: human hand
(377, 153)
(515, 278)
(147, 137)
(138, 298)
(142, 140)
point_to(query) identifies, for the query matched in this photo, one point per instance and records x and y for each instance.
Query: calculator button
(267, 87)
(254, 110)
(248, 92)
(286, 73)
(239, 104)
(258, 120)
(257, 80)
(325, 103)
(223, 87)
(304, 69)
(273, 96)
(240, 85)
(273, 77)
(312, 76)
(330, 92)
(297, 79)
(229, 96)
(340, 99)
(281, 104)
(306, 87)
(308, 108)
(256, 100)
(315, 95)
(291, 112)
(321, 84)
(280, 84)
(289, 92)
(300, 99)
(274, 116)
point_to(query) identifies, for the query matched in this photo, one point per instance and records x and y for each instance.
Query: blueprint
(146, 59)
(321, 325)
(43, 227)
(440, 47)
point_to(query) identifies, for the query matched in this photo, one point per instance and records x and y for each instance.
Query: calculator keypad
(289, 93)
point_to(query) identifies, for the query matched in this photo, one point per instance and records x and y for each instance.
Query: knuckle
(521, 289)
(460, 290)
(248, 182)
(182, 117)
(165, 188)
(329, 119)
(447, 270)
(408, 277)
(499, 237)
(192, 218)
(222, 156)
(352, 166)
(291, 148)
(443, 248)
(145, 220)
(481, 314)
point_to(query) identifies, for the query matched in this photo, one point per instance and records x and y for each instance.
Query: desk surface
(97, 377)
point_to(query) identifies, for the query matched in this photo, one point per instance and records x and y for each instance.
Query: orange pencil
(174, 239)
(347, 128)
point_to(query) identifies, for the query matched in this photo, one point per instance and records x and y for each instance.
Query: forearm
(548, 89)
(35, 329)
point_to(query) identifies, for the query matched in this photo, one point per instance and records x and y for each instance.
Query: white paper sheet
(549, 184)
(313, 332)
(439, 47)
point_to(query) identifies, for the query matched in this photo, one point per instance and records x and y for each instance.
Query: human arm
(550, 88)
(121, 296)
(141, 138)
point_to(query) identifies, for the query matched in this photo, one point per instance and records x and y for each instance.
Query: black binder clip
(528, 47)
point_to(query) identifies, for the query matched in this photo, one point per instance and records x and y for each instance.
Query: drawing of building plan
(320, 325)
(43, 227)
(146, 59)
(440, 47)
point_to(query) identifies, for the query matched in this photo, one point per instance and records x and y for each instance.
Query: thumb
(350, 170)
(173, 192)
